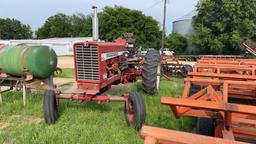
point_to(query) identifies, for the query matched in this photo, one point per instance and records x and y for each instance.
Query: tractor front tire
(135, 110)
(50, 107)
(151, 72)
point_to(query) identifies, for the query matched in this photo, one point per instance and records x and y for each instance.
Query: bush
(177, 43)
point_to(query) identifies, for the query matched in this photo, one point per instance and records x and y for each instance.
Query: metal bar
(234, 76)
(1, 98)
(215, 106)
(186, 89)
(199, 113)
(228, 134)
(150, 140)
(244, 121)
(225, 92)
(244, 131)
(194, 96)
(213, 94)
(165, 136)
(203, 82)
(24, 94)
(116, 99)
(175, 111)
(5, 90)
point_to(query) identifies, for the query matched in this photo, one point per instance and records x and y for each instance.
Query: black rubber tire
(185, 69)
(139, 110)
(149, 72)
(50, 107)
(205, 126)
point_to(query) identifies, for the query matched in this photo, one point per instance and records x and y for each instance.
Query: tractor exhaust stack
(95, 24)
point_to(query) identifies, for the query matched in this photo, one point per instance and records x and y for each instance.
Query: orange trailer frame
(227, 96)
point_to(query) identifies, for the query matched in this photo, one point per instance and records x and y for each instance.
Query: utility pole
(164, 20)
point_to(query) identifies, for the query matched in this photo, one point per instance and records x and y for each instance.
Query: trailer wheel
(205, 126)
(185, 69)
(151, 72)
(135, 110)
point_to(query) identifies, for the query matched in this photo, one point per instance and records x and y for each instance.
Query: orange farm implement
(221, 94)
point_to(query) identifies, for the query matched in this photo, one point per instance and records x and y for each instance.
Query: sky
(35, 12)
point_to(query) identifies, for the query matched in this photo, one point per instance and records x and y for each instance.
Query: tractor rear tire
(205, 126)
(151, 72)
(50, 107)
(135, 110)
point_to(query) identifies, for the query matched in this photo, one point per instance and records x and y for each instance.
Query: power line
(153, 5)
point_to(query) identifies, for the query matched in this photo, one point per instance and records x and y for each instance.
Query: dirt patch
(116, 88)
(35, 119)
(4, 124)
(66, 62)
(63, 81)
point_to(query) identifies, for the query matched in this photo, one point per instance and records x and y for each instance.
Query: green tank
(40, 61)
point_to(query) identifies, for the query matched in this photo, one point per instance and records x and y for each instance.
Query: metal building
(62, 46)
(184, 27)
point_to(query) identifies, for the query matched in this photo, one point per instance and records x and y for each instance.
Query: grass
(86, 122)
(67, 73)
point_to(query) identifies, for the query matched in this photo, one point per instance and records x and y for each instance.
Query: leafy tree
(176, 42)
(14, 29)
(58, 25)
(119, 20)
(114, 22)
(222, 24)
(81, 25)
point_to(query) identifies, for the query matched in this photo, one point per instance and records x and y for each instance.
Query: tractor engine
(101, 64)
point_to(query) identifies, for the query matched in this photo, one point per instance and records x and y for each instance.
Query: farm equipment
(98, 66)
(221, 94)
(171, 66)
(197, 57)
(249, 50)
(25, 67)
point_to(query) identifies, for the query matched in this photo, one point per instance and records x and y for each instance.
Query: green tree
(119, 20)
(14, 29)
(114, 22)
(221, 25)
(58, 25)
(81, 25)
(176, 42)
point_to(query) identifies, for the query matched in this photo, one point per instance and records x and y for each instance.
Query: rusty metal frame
(228, 88)
(154, 135)
(26, 82)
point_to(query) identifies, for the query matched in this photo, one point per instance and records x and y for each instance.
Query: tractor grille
(87, 63)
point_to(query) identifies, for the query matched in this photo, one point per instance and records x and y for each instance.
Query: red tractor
(98, 66)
